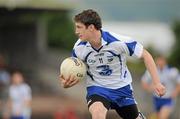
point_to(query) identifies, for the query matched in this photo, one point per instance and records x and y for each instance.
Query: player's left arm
(151, 67)
(69, 82)
(176, 91)
(27, 96)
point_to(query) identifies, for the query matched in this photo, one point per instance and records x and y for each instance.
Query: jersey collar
(103, 39)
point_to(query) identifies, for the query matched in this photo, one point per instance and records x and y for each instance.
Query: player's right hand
(69, 82)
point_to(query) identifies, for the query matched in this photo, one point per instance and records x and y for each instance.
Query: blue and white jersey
(19, 94)
(107, 65)
(169, 77)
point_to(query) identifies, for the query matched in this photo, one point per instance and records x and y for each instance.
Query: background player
(169, 77)
(19, 104)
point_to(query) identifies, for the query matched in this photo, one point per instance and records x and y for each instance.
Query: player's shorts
(161, 102)
(17, 117)
(121, 100)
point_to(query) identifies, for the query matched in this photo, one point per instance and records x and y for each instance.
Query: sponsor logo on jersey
(91, 61)
(100, 54)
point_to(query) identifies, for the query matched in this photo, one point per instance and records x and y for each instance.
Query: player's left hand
(69, 82)
(159, 89)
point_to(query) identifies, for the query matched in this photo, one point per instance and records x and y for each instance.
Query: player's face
(82, 31)
(161, 62)
(17, 78)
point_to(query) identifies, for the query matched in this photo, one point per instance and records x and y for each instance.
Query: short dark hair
(88, 17)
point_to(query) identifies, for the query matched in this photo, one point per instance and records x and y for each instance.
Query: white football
(73, 66)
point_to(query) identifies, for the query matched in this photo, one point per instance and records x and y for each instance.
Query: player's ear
(91, 27)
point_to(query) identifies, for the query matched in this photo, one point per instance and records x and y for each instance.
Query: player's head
(86, 22)
(17, 77)
(161, 61)
(89, 17)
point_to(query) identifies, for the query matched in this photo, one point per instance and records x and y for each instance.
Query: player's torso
(105, 62)
(106, 67)
(168, 80)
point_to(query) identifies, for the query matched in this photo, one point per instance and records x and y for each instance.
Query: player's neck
(95, 40)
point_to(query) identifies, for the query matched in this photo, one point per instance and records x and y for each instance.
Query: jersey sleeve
(74, 52)
(175, 74)
(27, 92)
(129, 46)
(178, 79)
(133, 48)
(77, 49)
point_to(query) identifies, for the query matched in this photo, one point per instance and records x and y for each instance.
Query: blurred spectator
(4, 83)
(19, 104)
(169, 77)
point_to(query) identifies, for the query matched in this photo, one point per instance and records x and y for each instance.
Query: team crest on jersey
(109, 58)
